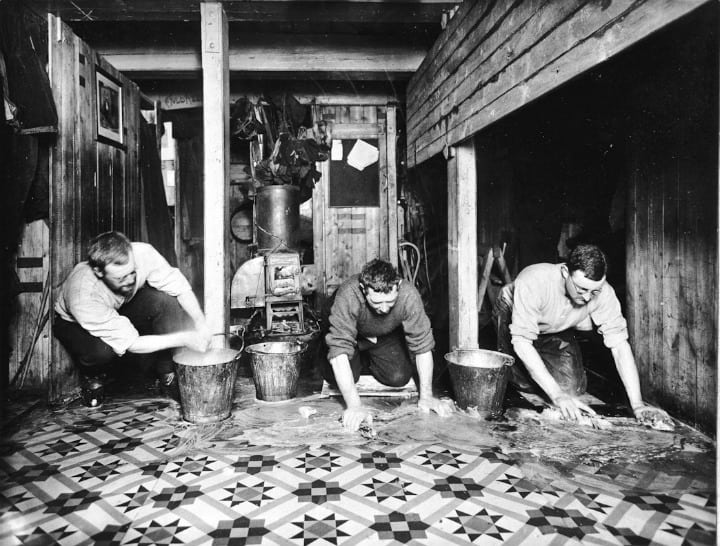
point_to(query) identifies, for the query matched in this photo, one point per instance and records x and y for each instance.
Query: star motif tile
(693, 533)
(96, 470)
(172, 498)
(445, 459)
(393, 488)
(479, 524)
(33, 473)
(129, 475)
(111, 534)
(155, 533)
(327, 529)
(318, 492)
(135, 499)
(11, 503)
(592, 502)
(656, 502)
(239, 531)
(380, 460)
(570, 523)
(252, 491)
(517, 485)
(134, 425)
(458, 487)
(154, 469)
(41, 536)
(401, 527)
(627, 536)
(67, 503)
(61, 448)
(324, 462)
(169, 444)
(190, 466)
(254, 464)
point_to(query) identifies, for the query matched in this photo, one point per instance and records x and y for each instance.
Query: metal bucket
(275, 368)
(206, 382)
(479, 378)
(277, 217)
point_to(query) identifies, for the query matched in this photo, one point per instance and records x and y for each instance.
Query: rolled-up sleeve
(526, 313)
(607, 315)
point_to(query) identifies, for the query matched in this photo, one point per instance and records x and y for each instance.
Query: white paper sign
(336, 152)
(362, 155)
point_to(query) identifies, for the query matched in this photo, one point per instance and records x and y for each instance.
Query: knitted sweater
(351, 318)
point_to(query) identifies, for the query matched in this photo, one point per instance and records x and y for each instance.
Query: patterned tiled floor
(129, 474)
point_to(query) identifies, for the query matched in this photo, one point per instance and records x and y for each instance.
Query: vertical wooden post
(216, 127)
(462, 246)
(391, 134)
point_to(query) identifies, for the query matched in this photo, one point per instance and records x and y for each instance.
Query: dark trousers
(151, 311)
(388, 360)
(560, 352)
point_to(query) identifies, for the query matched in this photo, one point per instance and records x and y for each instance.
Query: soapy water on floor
(522, 434)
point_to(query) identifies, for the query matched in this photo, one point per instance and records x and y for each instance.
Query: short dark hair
(379, 275)
(111, 247)
(588, 259)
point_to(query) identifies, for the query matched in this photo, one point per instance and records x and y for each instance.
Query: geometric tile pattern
(121, 476)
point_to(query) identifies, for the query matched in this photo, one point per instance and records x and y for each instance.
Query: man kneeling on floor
(126, 298)
(378, 321)
(536, 318)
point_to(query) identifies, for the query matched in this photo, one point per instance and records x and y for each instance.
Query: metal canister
(277, 217)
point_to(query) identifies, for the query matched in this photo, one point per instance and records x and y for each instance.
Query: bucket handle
(240, 335)
(242, 340)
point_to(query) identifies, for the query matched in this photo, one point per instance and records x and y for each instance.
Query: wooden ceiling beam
(272, 54)
(317, 11)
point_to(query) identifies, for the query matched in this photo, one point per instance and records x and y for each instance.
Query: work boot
(169, 386)
(93, 391)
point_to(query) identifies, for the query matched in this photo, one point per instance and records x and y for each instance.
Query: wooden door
(348, 234)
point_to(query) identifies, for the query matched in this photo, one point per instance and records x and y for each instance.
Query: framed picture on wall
(109, 109)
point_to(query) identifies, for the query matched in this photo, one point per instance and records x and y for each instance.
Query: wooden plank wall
(29, 332)
(494, 57)
(94, 186)
(672, 237)
(345, 238)
(32, 266)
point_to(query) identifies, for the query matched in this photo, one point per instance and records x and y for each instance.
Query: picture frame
(110, 120)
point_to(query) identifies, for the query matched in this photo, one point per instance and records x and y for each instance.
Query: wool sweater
(352, 318)
(86, 299)
(541, 306)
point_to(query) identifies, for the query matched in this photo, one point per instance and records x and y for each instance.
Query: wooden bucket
(207, 383)
(479, 378)
(276, 368)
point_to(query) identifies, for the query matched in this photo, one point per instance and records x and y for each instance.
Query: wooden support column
(391, 135)
(462, 246)
(216, 127)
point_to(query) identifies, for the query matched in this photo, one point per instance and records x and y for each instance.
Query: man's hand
(196, 341)
(571, 407)
(353, 418)
(653, 417)
(204, 333)
(443, 408)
